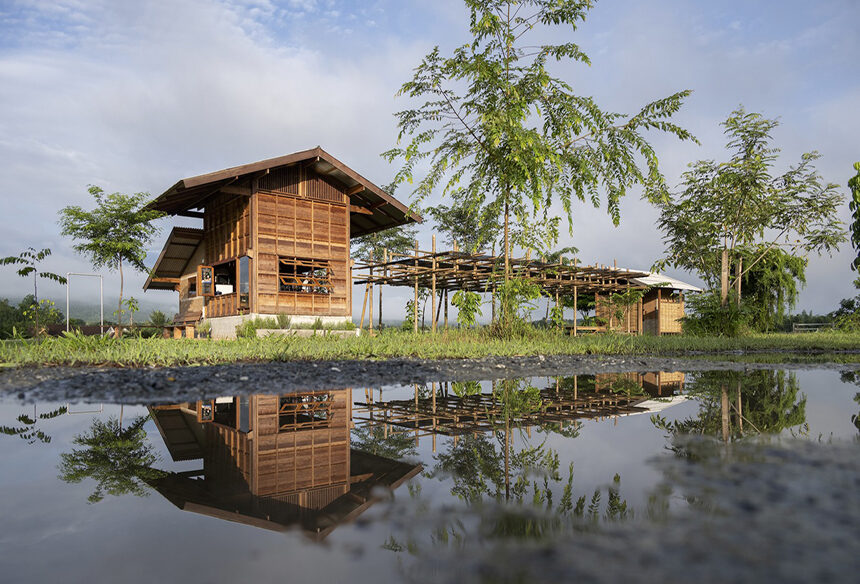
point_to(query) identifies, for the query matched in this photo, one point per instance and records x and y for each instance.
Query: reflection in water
(737, 403)
(28, 431)
(853, 377)
(119, 459)
(273, 461)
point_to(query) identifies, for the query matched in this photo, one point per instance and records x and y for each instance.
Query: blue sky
(135, 95)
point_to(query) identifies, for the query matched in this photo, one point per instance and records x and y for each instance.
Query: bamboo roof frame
(475, 272)
(456, 416)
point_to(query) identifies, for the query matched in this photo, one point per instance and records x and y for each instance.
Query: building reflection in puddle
(458, 409)
(274, 462)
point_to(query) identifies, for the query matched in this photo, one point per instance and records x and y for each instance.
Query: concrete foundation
(224, 327)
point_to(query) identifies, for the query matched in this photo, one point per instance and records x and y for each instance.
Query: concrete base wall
(306, 333)
(224, 327)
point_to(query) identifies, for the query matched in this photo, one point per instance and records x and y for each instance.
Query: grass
(141, 352)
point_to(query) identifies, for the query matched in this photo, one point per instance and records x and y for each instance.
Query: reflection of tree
(119, 459)
(28, 431)
(737, 402)
(853, 377)
(373, 439)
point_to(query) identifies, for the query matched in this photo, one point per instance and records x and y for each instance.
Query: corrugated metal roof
(664, 281)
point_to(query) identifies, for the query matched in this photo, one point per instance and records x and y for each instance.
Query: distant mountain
(88, 311)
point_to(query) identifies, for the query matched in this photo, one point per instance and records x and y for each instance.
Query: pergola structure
(476, 272)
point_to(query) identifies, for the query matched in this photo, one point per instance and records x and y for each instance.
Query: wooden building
(275, 240)
(273, 461)
(659, 312)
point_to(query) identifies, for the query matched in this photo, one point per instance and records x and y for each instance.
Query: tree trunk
(507, 244)
(118, 330)
(36, 299)
(724, 278)
(738, 272)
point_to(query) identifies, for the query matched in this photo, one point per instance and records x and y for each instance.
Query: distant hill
(88, 311)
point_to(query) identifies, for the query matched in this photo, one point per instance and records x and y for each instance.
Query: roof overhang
(655, 280)
(372, 208)
(172, 262)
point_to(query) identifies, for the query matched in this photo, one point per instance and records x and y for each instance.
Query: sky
(132, 96)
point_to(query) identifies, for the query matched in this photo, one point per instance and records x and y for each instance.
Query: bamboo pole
(724, 410)
(446, 309)
(370, 311)
(433, 287)
(363, 307)
(415, 305)
(575, 317)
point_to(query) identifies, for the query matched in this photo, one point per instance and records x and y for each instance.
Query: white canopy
(663, 281)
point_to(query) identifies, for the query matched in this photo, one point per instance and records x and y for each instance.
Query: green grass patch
(140, 352)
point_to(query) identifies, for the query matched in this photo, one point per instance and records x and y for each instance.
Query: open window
(304, 276)
(206, 280)
(305, 410)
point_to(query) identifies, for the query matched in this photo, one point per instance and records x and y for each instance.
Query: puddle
(440, 482)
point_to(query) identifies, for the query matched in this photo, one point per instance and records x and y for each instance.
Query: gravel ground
(146, 385)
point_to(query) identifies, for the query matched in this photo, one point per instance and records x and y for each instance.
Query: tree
(117, 231)
(157, 319)
(119, 459)
(771, 285)
(30, 259)
(854, 204)
(730, 208)
(473, 230)
(505, 139)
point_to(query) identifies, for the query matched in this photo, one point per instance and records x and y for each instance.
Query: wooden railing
(810, 327)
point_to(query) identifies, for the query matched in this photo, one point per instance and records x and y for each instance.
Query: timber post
(433, 286)
(370, 310)
(415, 305)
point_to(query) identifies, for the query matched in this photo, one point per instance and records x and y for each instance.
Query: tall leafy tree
(772, 285)
(29, 260)
(506, 139)
(472, 230)
(732, 207)
(854, 204)
(116, 232)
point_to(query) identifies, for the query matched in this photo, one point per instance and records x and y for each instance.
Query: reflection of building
(273, 461)
(570, 399)
(274, 240)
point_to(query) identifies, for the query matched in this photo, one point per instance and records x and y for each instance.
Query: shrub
(709, 317)
(516, 297)
(468, 307)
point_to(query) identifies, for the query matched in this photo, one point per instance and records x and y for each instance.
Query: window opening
(225, 278)
(304, 276)
(309, 410)
(244, 281)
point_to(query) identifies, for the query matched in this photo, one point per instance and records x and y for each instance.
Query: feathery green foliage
(739, 206)
(854, 205)
(468, 307)
(29, 260)
(118, 230)
(505, 139)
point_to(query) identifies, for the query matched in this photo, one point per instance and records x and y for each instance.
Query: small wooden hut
(659, 311)
(275, 240)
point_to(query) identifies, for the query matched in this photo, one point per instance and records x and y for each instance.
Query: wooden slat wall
(226, 228)
(227, 456)
(308, 219)
(226, 305)
(287, 461)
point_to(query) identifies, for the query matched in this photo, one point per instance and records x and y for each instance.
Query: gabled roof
(663, 281)
(173, 260)
(379, 209)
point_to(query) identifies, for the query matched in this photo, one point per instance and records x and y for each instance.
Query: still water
(437, 482)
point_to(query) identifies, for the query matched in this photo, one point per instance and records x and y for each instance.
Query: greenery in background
(400, 239)
(847, 316)
(517, 298)
(468, 307)
(617, 305)
(118, 459)
(472, 229)
(706, 316)
(505, 139)
(854, 205)
(249, 328)
(118, 230)
(771, 286)
(738, 206)
(20, 320)
(158, 319)
(29, 260)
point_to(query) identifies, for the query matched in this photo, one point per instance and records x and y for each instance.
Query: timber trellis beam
(457, 270)
(451, 415)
